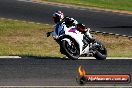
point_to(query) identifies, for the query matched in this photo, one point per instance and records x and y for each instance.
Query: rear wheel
(101, 52)
(71, 50)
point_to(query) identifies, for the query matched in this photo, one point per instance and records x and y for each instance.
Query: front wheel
(71, 50)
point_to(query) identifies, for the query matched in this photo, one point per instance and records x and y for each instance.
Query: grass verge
(28, 39)
(105, 4)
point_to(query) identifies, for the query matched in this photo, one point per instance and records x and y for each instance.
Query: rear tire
(101, 52)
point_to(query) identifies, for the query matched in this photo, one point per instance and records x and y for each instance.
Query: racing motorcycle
(74, 43)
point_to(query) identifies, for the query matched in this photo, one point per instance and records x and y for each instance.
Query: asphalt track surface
(47, 71)
(97, 21)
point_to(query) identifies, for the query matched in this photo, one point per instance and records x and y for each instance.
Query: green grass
(28, 39)
(19, 38)
(105, 4)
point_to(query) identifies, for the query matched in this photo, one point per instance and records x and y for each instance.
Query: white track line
(10, 57)
(65, 86)
(83, 58)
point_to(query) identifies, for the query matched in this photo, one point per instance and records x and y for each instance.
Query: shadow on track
(45, 57)
(54, 58)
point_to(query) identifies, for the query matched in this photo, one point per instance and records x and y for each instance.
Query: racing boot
(89, 39)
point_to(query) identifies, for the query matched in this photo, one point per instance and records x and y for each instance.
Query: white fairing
(78, 36)
(60, 30)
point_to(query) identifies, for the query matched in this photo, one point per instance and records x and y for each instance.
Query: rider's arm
(49, 33)
(70, 21)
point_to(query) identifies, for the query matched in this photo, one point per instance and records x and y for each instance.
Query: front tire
(71, 51)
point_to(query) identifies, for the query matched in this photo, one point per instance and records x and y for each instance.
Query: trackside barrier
(129, 37)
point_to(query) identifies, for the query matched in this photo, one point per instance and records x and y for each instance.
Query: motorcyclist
(59, 18)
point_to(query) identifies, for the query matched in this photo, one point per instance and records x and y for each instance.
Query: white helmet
(58, 16)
